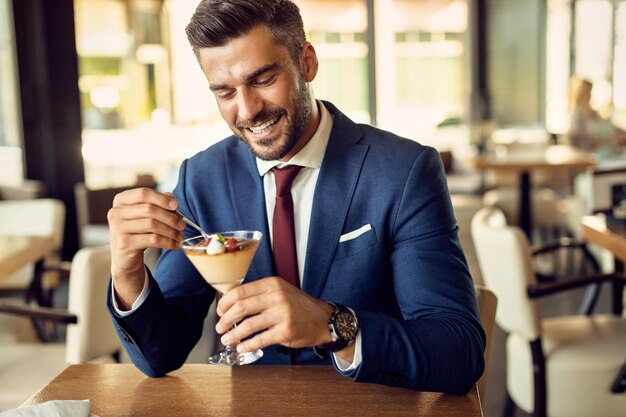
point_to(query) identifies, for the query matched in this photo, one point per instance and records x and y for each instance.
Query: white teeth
(260, 128)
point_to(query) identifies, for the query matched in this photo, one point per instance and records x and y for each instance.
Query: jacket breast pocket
(357, 241)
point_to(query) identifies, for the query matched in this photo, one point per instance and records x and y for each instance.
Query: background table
(611, 235)
(202, 390)
(554, 158)
(18, 251)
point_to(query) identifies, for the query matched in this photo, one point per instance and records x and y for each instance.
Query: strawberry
(231, 244)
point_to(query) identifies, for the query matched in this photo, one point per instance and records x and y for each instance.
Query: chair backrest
(93, 335)
(465, 207)
(504, 259)
(487, 305)
(544, 204)
(571, 211)
(26, 190)
(38, 217)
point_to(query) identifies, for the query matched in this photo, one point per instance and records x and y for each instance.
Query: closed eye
(224, 94)
(265, 81)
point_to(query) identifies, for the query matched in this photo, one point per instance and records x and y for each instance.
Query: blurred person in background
(588, 129)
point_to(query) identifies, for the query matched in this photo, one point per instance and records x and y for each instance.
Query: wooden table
(607, 233)
(19, 251)
(204, 390)
(611, 235)
(554, 158)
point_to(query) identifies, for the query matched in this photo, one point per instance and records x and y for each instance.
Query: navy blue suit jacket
(406, 278)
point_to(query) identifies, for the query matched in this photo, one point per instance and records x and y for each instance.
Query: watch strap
(339, 343)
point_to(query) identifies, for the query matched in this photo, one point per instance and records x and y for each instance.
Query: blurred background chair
(38, 217)
(558, 366)
(26, 190)
(487, 305)
(90, 336)
(559, 250)
(465, 206)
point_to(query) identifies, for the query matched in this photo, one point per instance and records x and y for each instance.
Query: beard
(275, 148)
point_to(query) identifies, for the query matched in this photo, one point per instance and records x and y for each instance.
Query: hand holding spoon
(192, 224)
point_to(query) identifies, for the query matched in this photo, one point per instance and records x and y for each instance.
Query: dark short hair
(215, 22)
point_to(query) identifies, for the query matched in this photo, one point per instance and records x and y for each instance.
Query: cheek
(228, 112)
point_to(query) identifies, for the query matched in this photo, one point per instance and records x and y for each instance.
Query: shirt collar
(312, 155)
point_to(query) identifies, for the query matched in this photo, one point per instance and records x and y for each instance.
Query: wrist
(342, 329)
(128, 287)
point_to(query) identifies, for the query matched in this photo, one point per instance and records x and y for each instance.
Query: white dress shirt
(310, 157)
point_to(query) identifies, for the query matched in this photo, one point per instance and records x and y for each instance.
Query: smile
(262, 127)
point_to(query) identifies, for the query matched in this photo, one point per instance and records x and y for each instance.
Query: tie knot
(284, 178)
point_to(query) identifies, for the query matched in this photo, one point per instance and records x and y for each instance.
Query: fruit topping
(215, 246)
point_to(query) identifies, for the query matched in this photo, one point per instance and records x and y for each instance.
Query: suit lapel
(248, 202)
(334, 190)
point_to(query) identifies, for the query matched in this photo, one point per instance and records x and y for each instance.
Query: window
(619, 68)
(421, 65)
(146, 105)
(593, 40)
(11, 168)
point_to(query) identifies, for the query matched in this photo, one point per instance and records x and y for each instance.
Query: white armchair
(36, 217)
(559, 366)
(90, 334)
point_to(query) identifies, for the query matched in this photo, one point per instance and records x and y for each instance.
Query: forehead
(241, 56)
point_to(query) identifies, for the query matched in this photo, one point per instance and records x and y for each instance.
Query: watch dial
(346, 327)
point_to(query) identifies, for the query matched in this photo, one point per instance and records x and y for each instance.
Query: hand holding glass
(225, 270)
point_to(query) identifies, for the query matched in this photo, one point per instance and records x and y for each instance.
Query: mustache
(259, 118)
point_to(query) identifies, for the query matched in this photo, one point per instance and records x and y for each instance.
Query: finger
(260, 341)
(129, 243)
(240, 310)
(147, 210)
(249, 325)
(248, 290)
(149, 226)
(145, 195)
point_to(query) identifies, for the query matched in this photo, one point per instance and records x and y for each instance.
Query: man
(375, 232)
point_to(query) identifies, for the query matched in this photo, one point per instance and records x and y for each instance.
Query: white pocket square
(355, 233)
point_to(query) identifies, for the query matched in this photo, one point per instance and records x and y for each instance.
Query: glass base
(230, 357)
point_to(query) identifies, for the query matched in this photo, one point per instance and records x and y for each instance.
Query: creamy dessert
(222, 260)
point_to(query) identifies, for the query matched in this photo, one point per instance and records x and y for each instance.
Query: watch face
(346, 325)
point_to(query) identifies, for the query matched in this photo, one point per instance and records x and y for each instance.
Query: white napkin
(56, 408)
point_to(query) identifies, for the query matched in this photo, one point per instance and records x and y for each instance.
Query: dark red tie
(285, 257)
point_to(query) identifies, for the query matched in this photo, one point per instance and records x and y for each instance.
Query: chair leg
(589, 300)
(539, 379)
(509, 407)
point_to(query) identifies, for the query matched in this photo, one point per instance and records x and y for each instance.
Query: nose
(249, 104)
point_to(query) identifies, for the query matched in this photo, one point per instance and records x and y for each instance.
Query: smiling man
(379, 287)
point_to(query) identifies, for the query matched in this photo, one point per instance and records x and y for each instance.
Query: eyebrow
(249, 77)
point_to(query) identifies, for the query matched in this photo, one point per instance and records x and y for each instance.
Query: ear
(308, 61)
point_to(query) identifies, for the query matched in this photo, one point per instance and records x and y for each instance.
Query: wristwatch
(343, 327)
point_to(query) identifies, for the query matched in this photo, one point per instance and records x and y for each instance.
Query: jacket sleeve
(159, 335)
(436, 343)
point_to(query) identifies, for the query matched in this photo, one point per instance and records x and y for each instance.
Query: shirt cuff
(345, 366)
(138, 302)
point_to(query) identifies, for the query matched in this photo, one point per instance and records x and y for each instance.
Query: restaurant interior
(100, 96)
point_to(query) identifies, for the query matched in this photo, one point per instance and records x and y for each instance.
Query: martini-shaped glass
(223, 260)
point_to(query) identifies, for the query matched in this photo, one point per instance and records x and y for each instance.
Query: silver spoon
(192, 224)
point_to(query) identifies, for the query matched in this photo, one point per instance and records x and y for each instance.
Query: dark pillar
(48, 77)
(480, 106)
(479, 100)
